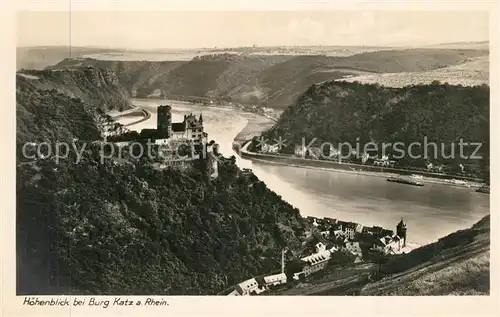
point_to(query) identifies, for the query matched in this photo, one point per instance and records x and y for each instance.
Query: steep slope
(63, 105)
(99, 88)
(358, 114)
(44, 115)
(458, 264)
(87, 225)
(272, 80)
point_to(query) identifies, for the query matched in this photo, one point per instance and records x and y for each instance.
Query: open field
(470, 73)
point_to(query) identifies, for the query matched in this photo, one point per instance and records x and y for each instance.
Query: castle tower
(164, 121)
(401, 231)
(210, 160)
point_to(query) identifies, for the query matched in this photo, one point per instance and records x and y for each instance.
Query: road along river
(431, 211)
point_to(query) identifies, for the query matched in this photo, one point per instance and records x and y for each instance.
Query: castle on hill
(167, 134)
(191, 128)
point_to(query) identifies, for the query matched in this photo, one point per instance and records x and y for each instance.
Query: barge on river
(485, 189)
(402, 180)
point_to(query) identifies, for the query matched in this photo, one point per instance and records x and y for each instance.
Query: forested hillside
(338, 112)
(272, 80)
(97, 87)
(120, 226)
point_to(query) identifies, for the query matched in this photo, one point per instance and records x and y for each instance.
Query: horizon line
(251, 46)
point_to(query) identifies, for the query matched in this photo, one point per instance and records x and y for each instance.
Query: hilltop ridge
(271, 80)
(64, 104)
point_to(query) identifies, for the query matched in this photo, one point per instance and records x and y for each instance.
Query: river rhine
(430, 212)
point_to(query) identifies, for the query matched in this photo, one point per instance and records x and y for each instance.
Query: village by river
(430, 212)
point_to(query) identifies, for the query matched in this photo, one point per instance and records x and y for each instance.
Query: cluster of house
(257, 285)
(296, 269)
(334, 154)
(351, 234)
(366, 158)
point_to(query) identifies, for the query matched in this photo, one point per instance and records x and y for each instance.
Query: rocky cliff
(99, 88)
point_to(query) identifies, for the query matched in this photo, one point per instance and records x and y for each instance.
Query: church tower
(401, 231)
(164, 121)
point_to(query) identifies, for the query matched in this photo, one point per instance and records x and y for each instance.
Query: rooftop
(317, 257)
(351, 225)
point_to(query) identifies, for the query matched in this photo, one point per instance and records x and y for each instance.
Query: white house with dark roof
(275, 279)
(314, 262)
(249, 287)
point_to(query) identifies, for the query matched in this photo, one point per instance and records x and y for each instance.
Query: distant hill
(272, 80)
(474, 71)
(39, 57)
(481, 45)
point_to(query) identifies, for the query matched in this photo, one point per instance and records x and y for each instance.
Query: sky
(153, 30)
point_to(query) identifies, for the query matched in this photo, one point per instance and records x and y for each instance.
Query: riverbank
(366, 170)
